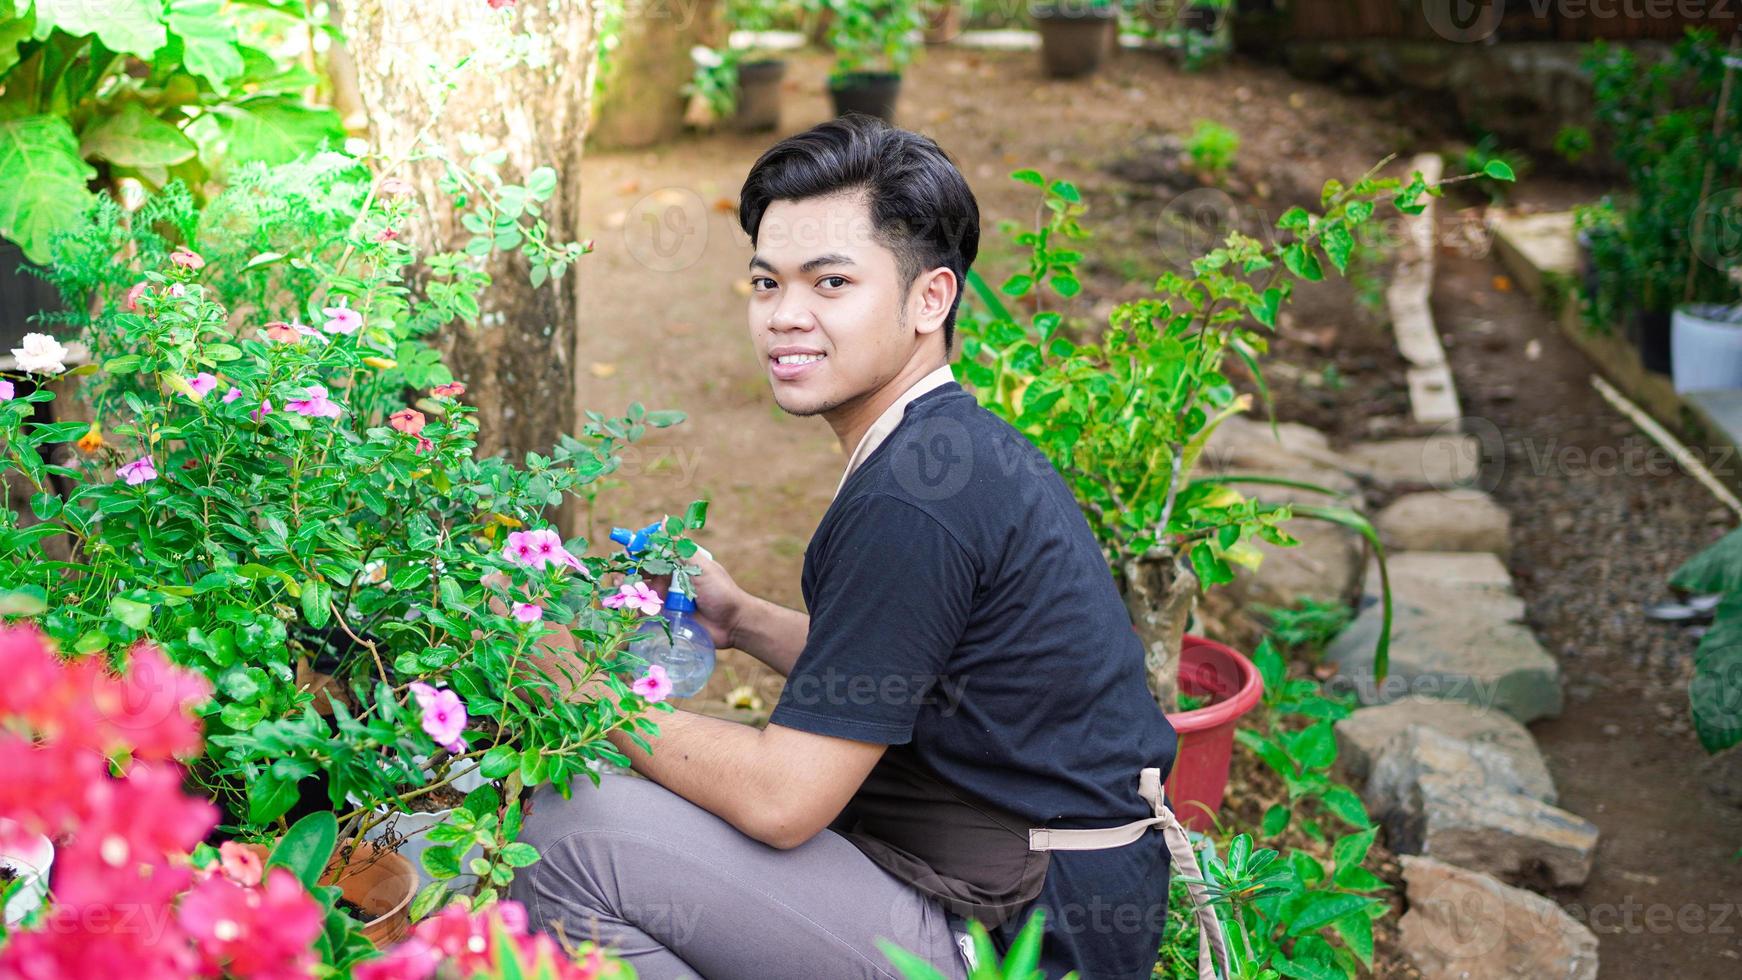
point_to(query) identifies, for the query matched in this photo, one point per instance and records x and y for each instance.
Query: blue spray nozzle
(634, 542)
(678, 602)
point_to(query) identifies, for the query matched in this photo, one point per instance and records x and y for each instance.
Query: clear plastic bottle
(687, 653)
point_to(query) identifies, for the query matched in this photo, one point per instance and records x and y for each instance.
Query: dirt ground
(664, 324)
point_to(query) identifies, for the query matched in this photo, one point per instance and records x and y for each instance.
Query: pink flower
(7, 392)
(242, 864)
(423, 446)
(177, 290)
(527, 612)
(452, 389)
(203, 383)
(407, 420)
(314, 404)
(499, 4)
(412, 959)
(137, 472)
(386, 234)
(231, 395)
(444, 716)
(187, 259)
(342, 319)
(134, 294)
(637, 596)
(264, 410)
(538, 549)
(655, 686)
(265, 932)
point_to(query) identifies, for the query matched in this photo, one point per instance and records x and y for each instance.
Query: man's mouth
(797, 358)
(793, 365)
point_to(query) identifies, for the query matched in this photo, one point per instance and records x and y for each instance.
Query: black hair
(921, 206)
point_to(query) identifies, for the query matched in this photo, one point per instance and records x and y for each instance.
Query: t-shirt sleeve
(889, 603)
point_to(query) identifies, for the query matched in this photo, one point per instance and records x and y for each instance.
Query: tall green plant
(1715, 690)
(872, 34)
(149, 89)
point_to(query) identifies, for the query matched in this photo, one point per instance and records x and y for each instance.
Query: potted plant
(873, 41)
(1075, 36)
(741, 85)
(1668, 121)
(1125, 413)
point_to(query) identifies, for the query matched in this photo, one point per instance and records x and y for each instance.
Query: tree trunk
(1159, 595)
(519, 362)
(641, 101)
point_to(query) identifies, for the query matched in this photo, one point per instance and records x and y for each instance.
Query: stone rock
(1449, 520)
(1363, 735)
(1463, 925)
(1455, 636)
(1444, 460)
(1723, 776)
(1465, 803)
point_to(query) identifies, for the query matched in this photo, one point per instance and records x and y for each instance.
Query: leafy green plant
(1290, 916)
(1662, 118)
(716, 80)
(152, 90)
(1308, 626)
(1487, 159)
(1573, 143)
(1125, 413)
(869, 35)
(1603, 298)
(1715, 690)
(282, 475)
(1303, 756)
(1212, 147)
(1021, 963)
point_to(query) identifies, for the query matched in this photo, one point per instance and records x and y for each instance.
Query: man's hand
(719, 599)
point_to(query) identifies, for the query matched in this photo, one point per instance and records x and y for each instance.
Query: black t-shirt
(959, 602)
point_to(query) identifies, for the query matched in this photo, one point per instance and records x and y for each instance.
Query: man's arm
(778, 785)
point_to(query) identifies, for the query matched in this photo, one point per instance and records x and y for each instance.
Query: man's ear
(937, 290)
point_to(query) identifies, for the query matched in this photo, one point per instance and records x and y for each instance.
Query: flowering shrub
(91, 758)
(281, 477)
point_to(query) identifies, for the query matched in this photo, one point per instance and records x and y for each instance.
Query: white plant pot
(1705, 343)
(30, 863)
(414, 827)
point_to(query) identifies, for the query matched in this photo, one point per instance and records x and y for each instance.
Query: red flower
(131, 303)
(262, 933)
(453, 389)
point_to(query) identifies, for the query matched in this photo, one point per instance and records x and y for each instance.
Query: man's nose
(792, 314)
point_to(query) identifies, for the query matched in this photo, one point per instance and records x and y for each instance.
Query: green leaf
(45, 179)
(124, 26)
(274, 130)
(133, 137)
(14, 31)
(269, 798)
(135, 615)
(1338, 244)
(1716, 568)
(208, 41)
(1276, 819)
(1342, 801)
(499, 762)
(1322, 908)
(912, 967)
(519, 855)
(1498, 169)
(1302, 262)
(1066, 190)
(1357, 934)
(428, 900)
(442, 862)
(1350, 851)
(1017, 285)
(307, 847)
(1028, 177)
(316, 606)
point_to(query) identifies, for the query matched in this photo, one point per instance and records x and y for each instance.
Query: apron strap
(1212, 945)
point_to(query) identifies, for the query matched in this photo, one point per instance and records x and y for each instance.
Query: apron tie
(1212, 945)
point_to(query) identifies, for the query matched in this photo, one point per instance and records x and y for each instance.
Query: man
(966, 674)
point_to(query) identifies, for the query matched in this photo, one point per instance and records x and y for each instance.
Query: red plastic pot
(1206, 735)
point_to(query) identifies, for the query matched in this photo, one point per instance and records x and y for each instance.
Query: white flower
(41, 354)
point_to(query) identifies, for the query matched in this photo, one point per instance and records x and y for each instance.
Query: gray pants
(678, 892)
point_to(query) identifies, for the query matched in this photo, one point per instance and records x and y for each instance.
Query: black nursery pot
(759, 95)
(1074, 38)
(1651, 330)
(870, 92)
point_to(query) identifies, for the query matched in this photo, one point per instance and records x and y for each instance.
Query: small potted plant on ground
(741, 84)
(873, 41)
(1075, 35)
(1125, 415)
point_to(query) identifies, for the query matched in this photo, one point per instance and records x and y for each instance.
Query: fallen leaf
(725, 204)
(603, 369)
(1502, 284)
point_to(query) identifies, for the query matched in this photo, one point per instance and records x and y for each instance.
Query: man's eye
(761, 282)
(833, 282)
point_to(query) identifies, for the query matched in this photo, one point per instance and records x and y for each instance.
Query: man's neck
(852, 420)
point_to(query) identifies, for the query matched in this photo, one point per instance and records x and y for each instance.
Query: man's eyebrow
(810, 265)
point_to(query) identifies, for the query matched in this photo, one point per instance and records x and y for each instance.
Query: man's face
(828, 309)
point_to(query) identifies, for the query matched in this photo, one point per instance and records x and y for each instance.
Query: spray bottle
(674, 640)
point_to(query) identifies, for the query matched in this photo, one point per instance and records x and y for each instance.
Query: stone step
(1363, 735)
(1446, 520)
(1456, 636)
(1464, 925)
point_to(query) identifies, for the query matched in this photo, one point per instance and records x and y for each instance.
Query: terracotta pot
(759, 95)
(1074, 39)
(376, 880)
